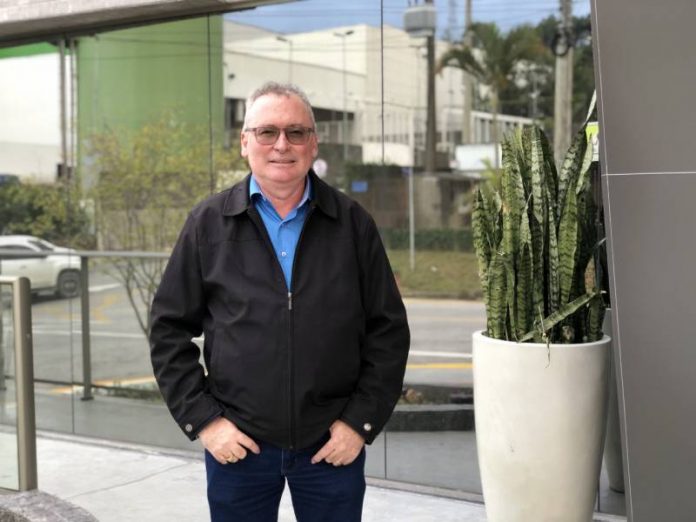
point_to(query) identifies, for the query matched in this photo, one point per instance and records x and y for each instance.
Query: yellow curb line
(105, 382)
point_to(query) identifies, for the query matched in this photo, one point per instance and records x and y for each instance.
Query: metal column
(24, 379)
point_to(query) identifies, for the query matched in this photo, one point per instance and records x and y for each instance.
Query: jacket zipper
(291, 358)
(291, 380)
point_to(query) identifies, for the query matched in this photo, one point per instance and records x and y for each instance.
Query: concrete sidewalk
(128, 483)
(118, 482)
(133, 480)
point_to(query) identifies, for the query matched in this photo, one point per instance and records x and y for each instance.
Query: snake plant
(535, 237)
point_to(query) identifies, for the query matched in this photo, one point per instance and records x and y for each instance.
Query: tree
(51, 211)
(148, 180)
(494, 59)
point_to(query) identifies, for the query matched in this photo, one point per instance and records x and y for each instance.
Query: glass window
(42, 245)
(153, 116)
(16, 247)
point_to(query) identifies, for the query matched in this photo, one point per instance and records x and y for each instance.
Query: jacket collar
(237, 200)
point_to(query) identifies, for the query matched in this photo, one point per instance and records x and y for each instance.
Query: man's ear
(243, 140)
(315, 148)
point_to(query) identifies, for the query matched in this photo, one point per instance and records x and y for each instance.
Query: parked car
(48, 267)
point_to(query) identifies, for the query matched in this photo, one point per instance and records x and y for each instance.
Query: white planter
(540, 421)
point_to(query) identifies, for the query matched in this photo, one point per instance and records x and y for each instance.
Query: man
(306, 337)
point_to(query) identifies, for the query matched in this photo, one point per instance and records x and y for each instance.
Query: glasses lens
(297, 135)
(267, 135)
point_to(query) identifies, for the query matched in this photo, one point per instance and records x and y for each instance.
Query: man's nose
(282, 142)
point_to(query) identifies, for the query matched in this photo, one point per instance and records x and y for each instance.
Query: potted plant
(541, 365)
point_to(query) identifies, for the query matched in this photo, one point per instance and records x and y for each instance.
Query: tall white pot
(540, 420)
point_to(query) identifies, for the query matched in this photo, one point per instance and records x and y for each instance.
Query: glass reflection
(9, 471)
(155, 129)
(152, 145)
(39, 209)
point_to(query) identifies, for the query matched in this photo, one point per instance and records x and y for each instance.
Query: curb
(432, 417)
(433, 408)
(37, 506)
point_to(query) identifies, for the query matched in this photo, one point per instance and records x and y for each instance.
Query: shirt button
(367, 426)
(188, 428)
(283, 254)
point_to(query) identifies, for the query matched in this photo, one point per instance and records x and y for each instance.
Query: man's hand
(343, 446)
(225, 442)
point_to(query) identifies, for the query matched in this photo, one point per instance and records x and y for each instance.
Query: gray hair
(279, 89)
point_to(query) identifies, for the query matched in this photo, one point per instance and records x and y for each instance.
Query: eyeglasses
(269, 134)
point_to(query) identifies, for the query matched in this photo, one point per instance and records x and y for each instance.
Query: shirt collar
(237, 199)
(255, 191)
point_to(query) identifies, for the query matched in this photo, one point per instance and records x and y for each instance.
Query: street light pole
(430, 121)
(411, 221)
(290, 44)
(430, 118)
(468, 82)
(563, 95)
(343, 36)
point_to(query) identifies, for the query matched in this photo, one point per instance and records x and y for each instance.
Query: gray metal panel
(645, 71)
(36, 20)
(654, 255)
(648, 71)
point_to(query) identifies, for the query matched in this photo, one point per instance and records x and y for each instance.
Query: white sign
(473, 158)
(320, 167)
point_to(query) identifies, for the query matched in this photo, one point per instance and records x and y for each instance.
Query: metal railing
(85, 256)
(24, 381)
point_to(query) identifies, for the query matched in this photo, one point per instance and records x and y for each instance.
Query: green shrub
(442, 239)
(49, 211)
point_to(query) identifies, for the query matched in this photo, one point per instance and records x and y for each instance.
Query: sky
(308, 15)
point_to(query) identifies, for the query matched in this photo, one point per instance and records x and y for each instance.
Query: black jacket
(281, 366)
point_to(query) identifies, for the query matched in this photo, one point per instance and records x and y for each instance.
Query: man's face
(281, 163)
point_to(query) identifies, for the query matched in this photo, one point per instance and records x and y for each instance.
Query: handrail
(24, 380)
(9, 253)
(85, 256)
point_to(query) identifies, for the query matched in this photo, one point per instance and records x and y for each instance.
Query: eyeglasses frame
(282, 130)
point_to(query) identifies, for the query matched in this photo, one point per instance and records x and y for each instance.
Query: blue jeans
(250, 490)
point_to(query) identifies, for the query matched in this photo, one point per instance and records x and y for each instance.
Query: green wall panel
(27, 50)
(130, 77)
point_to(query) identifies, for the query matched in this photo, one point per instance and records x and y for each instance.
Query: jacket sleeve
(385, 348)
(177, 313)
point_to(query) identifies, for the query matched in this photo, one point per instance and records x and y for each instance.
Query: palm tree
(493, 59)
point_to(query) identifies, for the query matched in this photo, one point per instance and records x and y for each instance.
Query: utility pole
(451, 20)
(63, 166)
(534, 95)
(467, 40)
(449, 137)
(344, 130)
(431, 122)
(563, 97)
(290, 45)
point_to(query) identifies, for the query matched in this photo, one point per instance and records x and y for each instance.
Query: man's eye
(297, 134)
(267, 132)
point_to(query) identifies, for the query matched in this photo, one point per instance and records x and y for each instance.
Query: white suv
(49, 267)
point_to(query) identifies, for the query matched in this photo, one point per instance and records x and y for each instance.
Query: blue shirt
(284, 233)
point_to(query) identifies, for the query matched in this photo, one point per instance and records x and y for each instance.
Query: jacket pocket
(247, 370)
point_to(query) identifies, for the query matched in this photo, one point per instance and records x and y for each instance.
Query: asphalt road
(440, 330)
